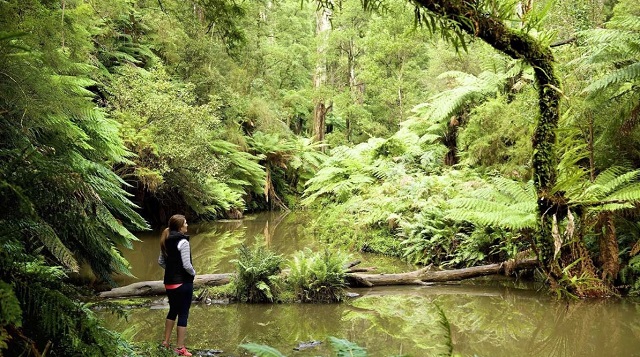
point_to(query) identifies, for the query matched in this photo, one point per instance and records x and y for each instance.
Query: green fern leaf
(630, 73)
(262, 350)
(344, 348)
(630, 193)
(50, 239)
(618, 181)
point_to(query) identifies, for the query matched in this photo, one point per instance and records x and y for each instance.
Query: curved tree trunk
(522, 46)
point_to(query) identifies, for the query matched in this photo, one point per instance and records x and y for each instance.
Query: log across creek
(354, 277)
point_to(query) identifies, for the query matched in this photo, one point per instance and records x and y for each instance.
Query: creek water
(485, 317)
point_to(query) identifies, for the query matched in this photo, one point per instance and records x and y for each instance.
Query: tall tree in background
(321, 106)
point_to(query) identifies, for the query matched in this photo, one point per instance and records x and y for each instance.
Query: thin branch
(602, 203)
(563, 42)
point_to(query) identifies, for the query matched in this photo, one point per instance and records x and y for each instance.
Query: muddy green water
(487, 317)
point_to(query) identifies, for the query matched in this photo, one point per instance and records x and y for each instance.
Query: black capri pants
(179, 303)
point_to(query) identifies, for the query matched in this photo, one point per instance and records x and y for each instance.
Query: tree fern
(62, 204)
(442, 106)
(619, 43)
(501, 203)
(347, 171)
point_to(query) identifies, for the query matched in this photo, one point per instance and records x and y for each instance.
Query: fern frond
(505, 203)
(45, 234)
(515, 190)
(621, 179)
(442, 106)
(344, 348)
(630, 73)
(607, 41)
(630, 193)
(262, 350)
(571, 183)
(627, 22)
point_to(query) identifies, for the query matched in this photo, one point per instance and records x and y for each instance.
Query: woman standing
(175, 259)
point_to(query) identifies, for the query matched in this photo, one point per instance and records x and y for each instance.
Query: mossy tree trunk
(521, 46)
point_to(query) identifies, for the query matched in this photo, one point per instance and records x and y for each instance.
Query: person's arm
(161, 261)
(185, 254)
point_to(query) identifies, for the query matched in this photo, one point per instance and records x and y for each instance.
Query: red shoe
(183, 352)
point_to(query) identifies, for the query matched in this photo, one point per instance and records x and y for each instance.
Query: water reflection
(486, 317)
(484, 321)
(214, 245)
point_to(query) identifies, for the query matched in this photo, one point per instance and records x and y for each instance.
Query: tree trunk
(354, 279)
(450, 140)
(147, 288)
(323, 26)
(609, 249)
(319, 120)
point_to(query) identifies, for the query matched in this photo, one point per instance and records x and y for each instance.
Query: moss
(127, 303)
(225, 291)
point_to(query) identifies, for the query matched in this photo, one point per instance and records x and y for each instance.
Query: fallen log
(422, 276)
(147, 288)
(427, 275)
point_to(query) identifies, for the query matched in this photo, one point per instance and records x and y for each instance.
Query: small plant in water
(319, 276)
(257, 274)
(342, 348)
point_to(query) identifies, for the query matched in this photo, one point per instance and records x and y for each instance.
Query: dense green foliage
(109, 111)
(309, 276)
(483, 208)
(62, 205)
(115, 110)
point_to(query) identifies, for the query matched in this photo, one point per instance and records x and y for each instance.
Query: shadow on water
(487, 317)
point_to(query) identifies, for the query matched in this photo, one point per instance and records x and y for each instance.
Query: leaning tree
(485, 21)
(488, 20)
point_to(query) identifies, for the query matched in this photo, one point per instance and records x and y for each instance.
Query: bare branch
(563, 42)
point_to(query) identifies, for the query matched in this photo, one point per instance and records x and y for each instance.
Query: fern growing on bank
(318, 277)
(433, 117)
(257, 278)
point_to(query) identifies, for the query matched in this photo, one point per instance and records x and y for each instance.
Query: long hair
(175, 223)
